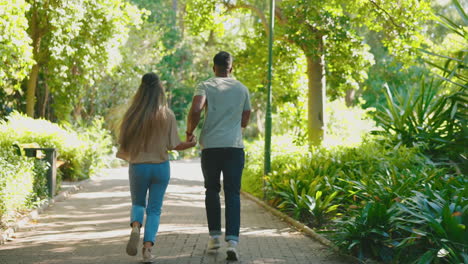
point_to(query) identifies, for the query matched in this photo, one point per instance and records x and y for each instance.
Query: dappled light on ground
(93, 227)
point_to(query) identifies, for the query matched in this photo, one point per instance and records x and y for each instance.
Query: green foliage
(436, 225)
(82, 42)
(160, 45)
(449, 59)
(345, 125)
(368, 234)
(302, 198)
(289, 64)
(40, 190)
(422, 117)
(98, 145)
(15, 44)
(16, 181)
(73, 43)
(77, 149)
(23, 182)
(360, 186)
(200, 13)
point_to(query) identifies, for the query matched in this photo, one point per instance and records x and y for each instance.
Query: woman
(148, 131)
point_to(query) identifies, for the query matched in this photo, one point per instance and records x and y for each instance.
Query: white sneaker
(147, 256)
(231, 251)
(214, 243)
(133, 241)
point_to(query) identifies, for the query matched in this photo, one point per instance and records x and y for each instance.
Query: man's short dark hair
(223, 59)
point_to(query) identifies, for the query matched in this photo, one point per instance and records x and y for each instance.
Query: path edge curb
(301, 227)
(8, 233)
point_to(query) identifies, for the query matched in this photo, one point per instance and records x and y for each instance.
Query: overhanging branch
(385, 11)
(256, 10)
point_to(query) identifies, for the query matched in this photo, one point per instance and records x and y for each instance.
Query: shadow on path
(92, 226)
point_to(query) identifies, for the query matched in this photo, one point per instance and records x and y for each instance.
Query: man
(227, 110)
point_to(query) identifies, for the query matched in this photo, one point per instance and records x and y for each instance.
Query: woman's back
(162, 138)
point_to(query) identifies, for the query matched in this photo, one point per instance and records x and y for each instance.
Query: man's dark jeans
(230, 161)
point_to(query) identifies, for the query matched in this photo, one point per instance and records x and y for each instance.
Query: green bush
(435, 224)
(98, 145)
(16, 182)
(353, 193)
(23, 182)
(40, 190)
(81, 149)
(437, 123)
(368, 234)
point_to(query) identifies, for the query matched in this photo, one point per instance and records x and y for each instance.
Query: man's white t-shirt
(226, 99)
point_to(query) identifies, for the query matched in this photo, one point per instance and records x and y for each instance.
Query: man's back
(226, 99)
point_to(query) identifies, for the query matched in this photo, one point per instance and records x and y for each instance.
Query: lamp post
(267, 165)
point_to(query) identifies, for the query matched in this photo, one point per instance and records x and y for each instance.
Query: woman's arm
(186, 144)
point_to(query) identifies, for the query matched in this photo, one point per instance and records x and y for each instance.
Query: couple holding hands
(149, 130)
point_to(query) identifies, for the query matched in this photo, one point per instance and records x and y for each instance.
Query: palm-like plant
(436, 224)
(427, 117)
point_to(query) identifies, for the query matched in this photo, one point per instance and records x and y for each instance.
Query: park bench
(48, 154)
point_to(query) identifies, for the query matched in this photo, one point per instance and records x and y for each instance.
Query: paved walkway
(91, 226)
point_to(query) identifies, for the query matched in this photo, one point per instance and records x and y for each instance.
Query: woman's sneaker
(132, 244)
(147, 256)
(231, 251)
(214, 243)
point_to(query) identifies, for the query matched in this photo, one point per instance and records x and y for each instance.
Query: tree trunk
(36, 35)
(260, 119)
(350, 97)
(211, 39)
(46, 100)
(181, 20)
(31, 90)
(77, 111)
(316, 105)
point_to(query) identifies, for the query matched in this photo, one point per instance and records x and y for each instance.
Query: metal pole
(267, 167)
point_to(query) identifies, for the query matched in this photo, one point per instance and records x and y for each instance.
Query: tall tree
(74, 42)
(326, 32)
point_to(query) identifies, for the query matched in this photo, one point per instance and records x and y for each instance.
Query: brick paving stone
(92, 226)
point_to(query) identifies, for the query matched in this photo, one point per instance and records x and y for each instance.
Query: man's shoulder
(215, 83)
(209, 81)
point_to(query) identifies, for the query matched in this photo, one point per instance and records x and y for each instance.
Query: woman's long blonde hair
(145, 117)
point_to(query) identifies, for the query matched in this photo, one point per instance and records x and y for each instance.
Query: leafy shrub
(361, 187)
(81, 149)
(23, 182)
(319, 184)
(40, 190)
(422, 117)
(368, 234)
(303, 199)
(436, 226)
(16, 182)
(98, 145)
(426, 227)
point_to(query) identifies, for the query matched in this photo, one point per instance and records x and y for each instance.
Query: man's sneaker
(231, 251)
(132, 244)
(214, 243)
(147, 256)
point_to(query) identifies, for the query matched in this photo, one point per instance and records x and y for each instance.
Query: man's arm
(198, 103)
(245, 118)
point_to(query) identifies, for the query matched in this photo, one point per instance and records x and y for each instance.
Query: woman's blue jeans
(152, 180)
(229, 161)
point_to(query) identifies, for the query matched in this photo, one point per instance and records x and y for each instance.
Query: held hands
(190, 138)
(190, 141)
